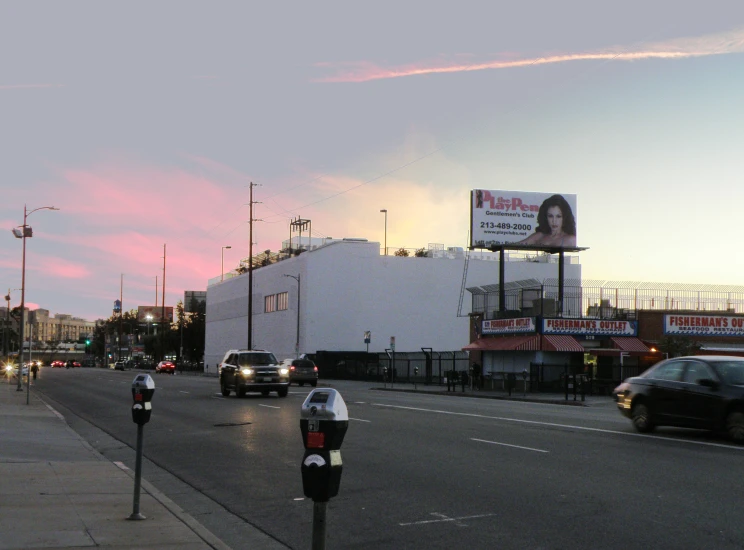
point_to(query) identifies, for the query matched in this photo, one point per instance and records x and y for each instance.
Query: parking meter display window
(319, 397)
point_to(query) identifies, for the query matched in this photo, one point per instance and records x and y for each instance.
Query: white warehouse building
(347, 287)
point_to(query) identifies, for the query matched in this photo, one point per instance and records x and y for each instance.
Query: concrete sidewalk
(56, 491)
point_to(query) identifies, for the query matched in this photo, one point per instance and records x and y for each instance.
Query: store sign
(509, 326)
(703, 325)
(595, 327)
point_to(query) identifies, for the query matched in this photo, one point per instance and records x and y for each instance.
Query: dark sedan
(303, 371)
(705, 392)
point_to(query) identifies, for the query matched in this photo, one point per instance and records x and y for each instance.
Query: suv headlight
(283, 371)
(247, 372)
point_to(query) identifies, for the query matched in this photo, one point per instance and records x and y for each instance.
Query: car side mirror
(708, 383)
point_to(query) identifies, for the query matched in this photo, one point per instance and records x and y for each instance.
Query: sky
(146, 122)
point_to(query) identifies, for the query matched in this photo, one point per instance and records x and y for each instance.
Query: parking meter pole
(138, 475)
(319, 525)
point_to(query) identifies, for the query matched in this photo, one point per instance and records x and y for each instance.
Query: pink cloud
(713, 44)
(59, 267)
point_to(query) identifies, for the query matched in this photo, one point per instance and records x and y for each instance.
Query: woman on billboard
(556, 225)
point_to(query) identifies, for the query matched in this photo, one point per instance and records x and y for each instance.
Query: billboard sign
(522, 218)
(194, 300)
(703, 325)
(590, 327)
(154, 314)
(509, 326)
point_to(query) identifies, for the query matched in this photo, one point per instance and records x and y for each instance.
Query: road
(420, 471)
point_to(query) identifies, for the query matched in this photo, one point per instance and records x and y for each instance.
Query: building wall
(349, 288)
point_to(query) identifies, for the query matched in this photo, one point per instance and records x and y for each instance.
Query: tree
(420, 253)
(678, 346)
(402, 252)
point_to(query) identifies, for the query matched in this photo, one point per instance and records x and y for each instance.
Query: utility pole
(162, 318)
(121, 310)
(250, 269)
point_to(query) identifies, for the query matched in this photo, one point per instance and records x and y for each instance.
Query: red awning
(560, 342)
(525, 342)
(625, 343)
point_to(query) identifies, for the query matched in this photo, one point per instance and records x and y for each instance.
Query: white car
(14, 368)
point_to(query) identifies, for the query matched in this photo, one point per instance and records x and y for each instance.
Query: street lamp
(148, 317)
(297, 339)
(27, 232)
(222, 276)
(385, 210)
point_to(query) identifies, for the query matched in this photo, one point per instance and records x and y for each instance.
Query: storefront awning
(560, 342)
(527, 342)
(627, 343)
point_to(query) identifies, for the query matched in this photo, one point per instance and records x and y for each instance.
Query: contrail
(712, 44)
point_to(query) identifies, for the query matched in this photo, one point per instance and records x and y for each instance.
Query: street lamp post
(623, 354)
(26, 232)
(297, 338)
(148, 317)
(385, 211)
(222, 274)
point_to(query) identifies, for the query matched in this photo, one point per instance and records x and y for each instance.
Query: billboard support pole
(561, 276)
(502, 289)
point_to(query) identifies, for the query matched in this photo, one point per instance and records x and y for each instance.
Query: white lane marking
(359, 402)
(508, 445)
(443, 518)
(359, 419)
(268, 406)
(568, 426)
(121, 466)
(181, 391)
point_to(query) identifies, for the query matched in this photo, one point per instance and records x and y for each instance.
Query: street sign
(392, 343)
(367, 336)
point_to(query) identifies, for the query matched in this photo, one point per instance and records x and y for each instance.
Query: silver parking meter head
(325, 404)
(524, 373)
(143, 388)
(143, 385)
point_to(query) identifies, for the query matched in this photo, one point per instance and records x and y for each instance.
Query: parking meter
(143, 387)
(324, 420)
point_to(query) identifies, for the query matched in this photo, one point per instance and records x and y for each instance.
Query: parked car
(705, 392)
(166, 366)
(242, 371)
(302, 371)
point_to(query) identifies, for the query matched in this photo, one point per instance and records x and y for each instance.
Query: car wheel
(283, 392)
(240, 392)
(225, 391)
(641, 417)
(735, 426)
(264, 392)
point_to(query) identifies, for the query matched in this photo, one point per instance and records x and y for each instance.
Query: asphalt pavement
(56, 491)
(59, 492)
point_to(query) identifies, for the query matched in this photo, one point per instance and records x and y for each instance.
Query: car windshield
(250, 359)
(731, 372)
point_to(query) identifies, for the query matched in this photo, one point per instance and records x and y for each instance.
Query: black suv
(252, 370)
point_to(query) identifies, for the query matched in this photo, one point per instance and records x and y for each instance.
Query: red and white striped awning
(627, 343)
(561, 342)
(527, 342)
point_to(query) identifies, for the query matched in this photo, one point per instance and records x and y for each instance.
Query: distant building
(42, 328)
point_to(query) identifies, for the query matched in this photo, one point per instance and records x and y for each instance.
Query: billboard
(522, 218)
(194, 300)
(508, 326)
(156, 314)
